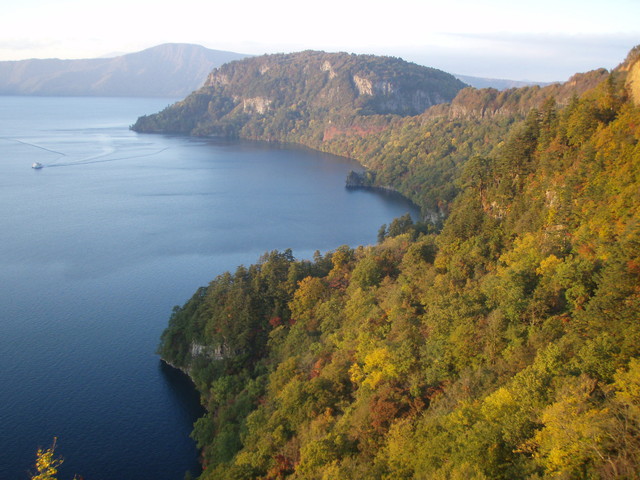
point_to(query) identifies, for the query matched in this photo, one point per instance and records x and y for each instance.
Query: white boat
(37, 165)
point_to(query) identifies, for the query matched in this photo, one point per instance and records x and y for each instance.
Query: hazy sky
(536, 40)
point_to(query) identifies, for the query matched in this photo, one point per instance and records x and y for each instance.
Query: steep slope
(278, 97)
(170, 70)
(505, 346)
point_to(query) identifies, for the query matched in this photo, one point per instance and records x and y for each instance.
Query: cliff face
(290, 91)
(336, 81)
(632, 66)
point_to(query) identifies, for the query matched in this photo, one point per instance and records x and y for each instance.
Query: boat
(37, 165)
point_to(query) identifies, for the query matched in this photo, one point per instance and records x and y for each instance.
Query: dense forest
(498, 339)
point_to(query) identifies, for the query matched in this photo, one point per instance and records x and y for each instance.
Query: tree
(47, 463)
(400, 225)
(382, 233)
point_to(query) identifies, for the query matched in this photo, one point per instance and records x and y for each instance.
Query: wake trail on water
(86, 161)
(35, 146)
(98, 159)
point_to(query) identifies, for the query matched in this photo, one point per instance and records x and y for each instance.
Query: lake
(99, 245)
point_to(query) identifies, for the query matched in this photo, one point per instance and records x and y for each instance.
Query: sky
(543, 40)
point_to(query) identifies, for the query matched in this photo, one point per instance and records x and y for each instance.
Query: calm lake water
(100, 244)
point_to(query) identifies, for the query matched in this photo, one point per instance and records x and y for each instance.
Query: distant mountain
(169, 70)
(275, 96)
(497, 83)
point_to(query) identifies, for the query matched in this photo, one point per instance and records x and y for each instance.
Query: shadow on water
(393, 198)
(185, 397)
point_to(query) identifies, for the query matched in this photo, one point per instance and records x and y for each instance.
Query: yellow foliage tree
(47, 463)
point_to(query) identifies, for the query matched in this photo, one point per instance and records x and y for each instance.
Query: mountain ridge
(179, 70)
(167, 70)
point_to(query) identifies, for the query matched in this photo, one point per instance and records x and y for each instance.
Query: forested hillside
(500, 340)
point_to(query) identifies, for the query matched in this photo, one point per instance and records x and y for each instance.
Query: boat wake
(34, 145)
(102, 159)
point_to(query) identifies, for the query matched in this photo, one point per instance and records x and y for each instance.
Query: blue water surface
(99, 245)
